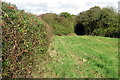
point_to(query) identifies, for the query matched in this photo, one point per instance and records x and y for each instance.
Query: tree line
(98, 21)
(95, 21)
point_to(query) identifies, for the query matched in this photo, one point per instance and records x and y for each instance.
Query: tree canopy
(97, 21)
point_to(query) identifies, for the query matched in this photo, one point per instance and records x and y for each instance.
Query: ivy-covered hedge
(23, 36)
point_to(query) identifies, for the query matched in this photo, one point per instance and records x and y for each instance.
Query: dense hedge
(23, 36)
(59, 24)
(97, 21)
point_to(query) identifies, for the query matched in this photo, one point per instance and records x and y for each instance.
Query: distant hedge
(98, 21)
(23, 36)
(59, 24)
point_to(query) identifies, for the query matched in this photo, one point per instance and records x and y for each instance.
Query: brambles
(23, 36)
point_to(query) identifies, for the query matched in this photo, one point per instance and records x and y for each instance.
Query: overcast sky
(58, 6)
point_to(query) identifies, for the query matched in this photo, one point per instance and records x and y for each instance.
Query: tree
(65, 14)
(89, 19)
(97, 21)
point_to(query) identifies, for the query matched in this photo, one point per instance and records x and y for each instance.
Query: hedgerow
(59, 24)
(23, 36)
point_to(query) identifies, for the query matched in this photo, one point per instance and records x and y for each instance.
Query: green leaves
(23, 33)
(65, 14)
(60, 24)
(95, 21)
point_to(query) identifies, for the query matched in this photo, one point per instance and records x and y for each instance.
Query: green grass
(83, 57)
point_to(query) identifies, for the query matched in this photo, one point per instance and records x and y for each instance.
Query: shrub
(112, 32)
(23, 36)
(60, 25)
(65, 14)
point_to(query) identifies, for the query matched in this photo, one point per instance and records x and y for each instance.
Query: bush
(65, 14)
(99, 32)
(60, 25)
(23, 36)
(112, 32)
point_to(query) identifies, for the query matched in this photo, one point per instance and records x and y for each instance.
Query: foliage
(60, 25)
(65, 14)
(23, 36)
(97, 21)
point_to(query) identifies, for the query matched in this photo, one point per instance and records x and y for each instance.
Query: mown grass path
(82, 57)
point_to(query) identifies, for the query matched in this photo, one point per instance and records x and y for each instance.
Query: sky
(58, 6)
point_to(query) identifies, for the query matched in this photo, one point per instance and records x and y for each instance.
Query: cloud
(58, 6)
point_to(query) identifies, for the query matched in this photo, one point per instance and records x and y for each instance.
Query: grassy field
(82, 57)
